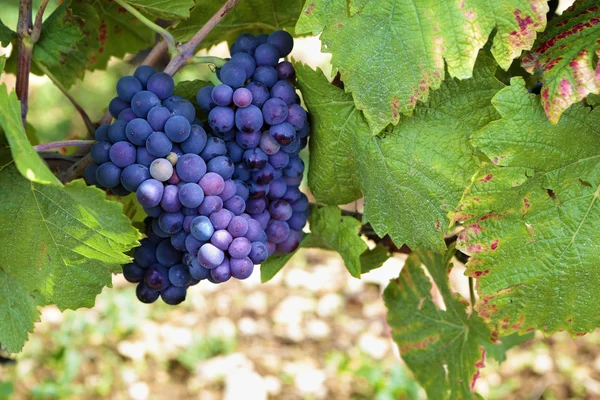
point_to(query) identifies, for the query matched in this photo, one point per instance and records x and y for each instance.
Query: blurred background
(313, 332)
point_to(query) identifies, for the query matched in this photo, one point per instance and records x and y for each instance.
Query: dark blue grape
(177, 128)
(143, 102)
(133, 272)
(214, 147)
(241, 173)
(170, 200)
(179, 276)
(157, 117)
(297, 220)
(210, 256)
(138, 130)
(294, 168)
(90, 174)
(192, 245)
(153, 211)
(122, 154)
(191, 195)
(277, 231)
(173, 295)
(292, 194)
(247, 140)
(296, 181)
(260, 93)
(117, 105)
(157, 277)
(127, 115)
(242, 190)
(263, 219)
(265, 175)
(280, 210)
(249, 119)
(255, 159)
(242, 97)
(145, 294)
(291, 243)
(304, 131)
(161, 84)
(171, 222)
(246, 43)
(198, 271)
(221, 239)
(279, 160)
(100, 152)
(257, 190)
(158, 230)
(133, 176)
(211, 204)
(221, 119)
(277, 189)
(293, 149)
(258, 252)
(180, 106)
(143, 157)
(267, 55)
(190, 168)
(149, 193)
(246, 61)
(178, 240)
(127, 87)
(283, 133)
(158, 144)
(143, 74)
(145, 255)
(196, 141)
(283, 41)
(235, 151)
(204, 98)
(116, 131)
(166, 254)
(233, 74)
(285, 71)
(275, 111)
(108, 175)
(201, 228)
(301, 204)
(221, 165)
(222, 95)
(285, 91)
(256, 205)
(265, 75)
(102, 133)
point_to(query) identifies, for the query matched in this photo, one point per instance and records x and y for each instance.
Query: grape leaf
(6, 34)
(60, 34)
(410, 177)
(28, 161)
(531, 223)
(373, 258)
(393, 51)
(567, 54)
(502, 345)
(189, 89)
(444, 348)
(254, 16)
(165, 9)
(329, 230)
(60, 244)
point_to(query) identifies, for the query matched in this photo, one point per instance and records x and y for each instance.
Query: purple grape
(178, 240)
(257, 190)
(247, 140)
(211, 204)
(221, 119)
(101, 134)
(116, 131)
(177, 128)
(192, 245)
(108, 175)
(166, 254)
(221, 273)
(258, 252)
(145, 294)
(196, 141)
(280, 210)
(149, 193)
(236, 205)
(285, 71)
(292, 194)
(254, 230)
(265, 75)
(127, 115)
(301, 204)
(173, 295)
(117, 105)
(296, 116)
(235, 151)
(229, 190)
(161, 85)
(161, 169)
(241, 190)
(158, 231)
(283, 41)
(255, 159)
(256, 205)
(267, 144)
(233, 74)
(297, 221)
(294, 168)
(138, 130)
(171, 222)
(127, 87)
(143, 102)
(179, 106)
(238, 226)
(157, 277)
(246, 43)
(267, 54)
(170, 200)
(204, 98)
(221, 219)
(100, 152)
(214, 147)
(279, 160)
(240, 247)
(201, 228)
(158, 144)
(221, 165)
(190, 168)
(145, 255)
(241, 268)
(179, 276)
(222, 95)
(133, 272)
(263, 219)
(133, 176)
(143, 73)
(153, 211)
(285, 91)
(249, 119)
(241, 173)
(277, 189)
(210, 256)
(221, 239)
(191, 195)
(122, 154)
(242, 97)
(283, 133)
(265, 175)
(198, 271)
(304, 131)
(212, 184)
(260, 93)
(277, 231)
(157, 117)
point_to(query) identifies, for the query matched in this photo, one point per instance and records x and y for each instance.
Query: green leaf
(165, 9)
(504, 344)
(254, 16)
(28, 161)
(567, 54)
(275, 263)
(410, 177)
(444, 348)
(60, 34)
(391, 52)
(531, 223)
(18, 313)
(329, 230)
(60, 244)
(6, 34)
(189, 89)
(373, 258)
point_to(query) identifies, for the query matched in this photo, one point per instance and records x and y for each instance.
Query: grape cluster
(218, 203)
(257, 112)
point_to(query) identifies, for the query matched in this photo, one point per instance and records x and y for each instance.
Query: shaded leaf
(567, 53)
(28, 161)
(391, 52)
(189, 89)
(165, 9)
(6, 34)
(373, 258)
(531, 225)
(410, 177)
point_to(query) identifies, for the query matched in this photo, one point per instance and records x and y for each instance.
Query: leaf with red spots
(391, 52)
(412, 176)
(165, 9)
(535, 252)
(443, 345)
(567, 54)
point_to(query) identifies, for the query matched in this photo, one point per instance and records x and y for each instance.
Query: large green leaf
(391, 52)
(254, 16)
(60, 34)
(567, 54)
(410, 177)
(60, 244)
(445, 349)
(6, 34)
(531, 223)
(28, 161)
(165, 9)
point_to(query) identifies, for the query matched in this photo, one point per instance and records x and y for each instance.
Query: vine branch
(37, 26)
(63, 143)
(25, 51)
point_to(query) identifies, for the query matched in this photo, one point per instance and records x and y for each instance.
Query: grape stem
(63, 143)
(217, 61)
(150, 24)
(212, 77)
